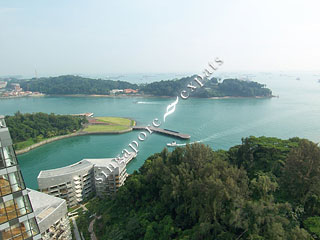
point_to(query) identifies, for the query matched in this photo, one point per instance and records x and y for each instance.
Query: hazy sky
(134, 36)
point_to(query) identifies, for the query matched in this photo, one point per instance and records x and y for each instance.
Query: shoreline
(153, 96)
(57, 138)
(134, 96)
(241, 97)
(10, 97)
(81, 132)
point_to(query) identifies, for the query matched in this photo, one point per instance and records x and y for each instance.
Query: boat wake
(154, 103)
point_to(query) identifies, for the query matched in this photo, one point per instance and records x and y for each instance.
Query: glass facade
(23, 230)
(17, 220)
(7, 157)
(10, 183)
(14, 208)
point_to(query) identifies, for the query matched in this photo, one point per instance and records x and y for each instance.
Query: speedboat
(173, 144)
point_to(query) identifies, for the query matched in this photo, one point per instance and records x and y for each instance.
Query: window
(10, 209)
(21, 231)
(3, 214)
(11, 182)
(4, 185)
(16, 181)
(23, 205)
(9, 156)
(2, 123)
(1, 159)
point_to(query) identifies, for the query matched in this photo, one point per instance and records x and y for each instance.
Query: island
(76, 85)
(31, 130)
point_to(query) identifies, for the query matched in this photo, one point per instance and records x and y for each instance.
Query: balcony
(78, 191)
(79, 195)
(77, 182)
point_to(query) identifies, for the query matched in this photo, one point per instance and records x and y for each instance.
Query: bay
(219, 123)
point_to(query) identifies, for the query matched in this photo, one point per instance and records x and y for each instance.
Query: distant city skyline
(113, 37)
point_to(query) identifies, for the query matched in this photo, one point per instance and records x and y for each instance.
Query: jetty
(163, 131)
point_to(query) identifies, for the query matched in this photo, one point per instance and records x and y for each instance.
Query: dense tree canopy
(36, 126)
(197, 193)
(212, 88)
(78, 85)
(69, 84)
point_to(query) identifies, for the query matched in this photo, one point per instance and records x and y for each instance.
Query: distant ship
(318, 80)
(298, 79)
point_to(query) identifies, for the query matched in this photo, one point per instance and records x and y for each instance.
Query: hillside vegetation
(212, 88)
(29, 128)
(78, 85)
(70, 84)
(265, 189)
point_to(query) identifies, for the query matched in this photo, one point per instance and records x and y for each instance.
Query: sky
(148, 36)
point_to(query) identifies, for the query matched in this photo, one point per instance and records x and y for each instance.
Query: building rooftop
(65, 170)
(110, 163)
(43, 204)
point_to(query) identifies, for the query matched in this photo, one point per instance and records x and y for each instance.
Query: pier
(164, 132)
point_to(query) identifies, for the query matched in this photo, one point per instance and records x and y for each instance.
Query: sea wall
(25, 150)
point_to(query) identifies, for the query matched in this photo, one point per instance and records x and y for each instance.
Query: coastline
(153, 96)
(131, 96)
(11, 97)
(57, 138)
(241, 97)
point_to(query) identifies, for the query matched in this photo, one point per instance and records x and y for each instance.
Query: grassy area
(116, 120)
(105, 128)
(27, 143)
(24, 144)
(116, 124)
(73, 208)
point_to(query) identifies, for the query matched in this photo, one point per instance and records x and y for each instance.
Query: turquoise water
(218, 123)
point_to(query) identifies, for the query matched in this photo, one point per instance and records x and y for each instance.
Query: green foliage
(83, 220)
(262, 154)
(69, 84)
(301, 177)
(313, 225)
(27, 129)
(196, 193)
(235, 87)
(229, 87)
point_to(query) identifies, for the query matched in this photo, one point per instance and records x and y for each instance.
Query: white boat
(173, 144)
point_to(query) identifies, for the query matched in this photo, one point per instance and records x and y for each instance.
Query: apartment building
(76, 182)
(17, 219)
(52, 216)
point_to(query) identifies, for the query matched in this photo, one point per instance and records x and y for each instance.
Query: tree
(301, 175)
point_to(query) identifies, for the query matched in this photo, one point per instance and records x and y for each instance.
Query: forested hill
(78, 85)
(265, 188)
(70, 84)
(212, 88)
